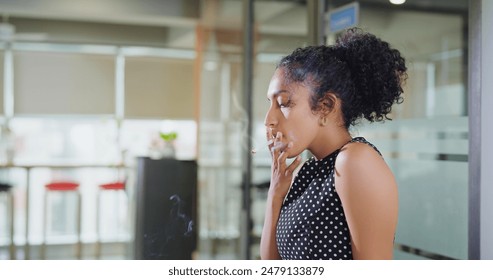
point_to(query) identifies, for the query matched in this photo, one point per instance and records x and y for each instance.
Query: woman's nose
(270, 120)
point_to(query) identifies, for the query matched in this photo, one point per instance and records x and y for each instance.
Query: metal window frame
(474, 108)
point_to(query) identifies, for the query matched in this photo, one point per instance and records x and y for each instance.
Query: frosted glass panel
(400, 255)
(429, 160)
(63, 83)
(433, 206)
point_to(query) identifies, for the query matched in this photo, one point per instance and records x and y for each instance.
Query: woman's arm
(268, 245)
(368, 193)
(281, 178)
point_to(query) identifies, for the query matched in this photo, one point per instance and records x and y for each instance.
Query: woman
(343, 202)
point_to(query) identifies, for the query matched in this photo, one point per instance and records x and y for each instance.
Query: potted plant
(168, 149)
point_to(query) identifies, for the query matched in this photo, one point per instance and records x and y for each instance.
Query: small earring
(323, 121)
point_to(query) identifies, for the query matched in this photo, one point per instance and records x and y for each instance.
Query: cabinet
(166, 209)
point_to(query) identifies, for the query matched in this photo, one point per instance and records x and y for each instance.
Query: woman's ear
(327, 103)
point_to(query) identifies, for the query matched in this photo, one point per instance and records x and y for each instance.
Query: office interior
(100, 93)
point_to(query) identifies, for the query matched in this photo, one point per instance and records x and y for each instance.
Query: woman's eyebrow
(276, 93)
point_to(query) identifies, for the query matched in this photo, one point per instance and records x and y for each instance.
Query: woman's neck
(328, 141)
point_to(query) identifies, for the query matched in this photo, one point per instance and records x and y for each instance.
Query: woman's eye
(285, 104)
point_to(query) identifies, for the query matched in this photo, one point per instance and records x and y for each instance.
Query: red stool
(7, 189)
(115, 186)
(62, 186)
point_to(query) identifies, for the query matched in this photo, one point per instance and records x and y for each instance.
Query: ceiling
(281, 24)
(169, 23)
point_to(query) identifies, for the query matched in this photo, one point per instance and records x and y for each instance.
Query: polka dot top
(312, 224)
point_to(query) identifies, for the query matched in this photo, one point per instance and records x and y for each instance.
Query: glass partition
(280, 26)
(426, 143)
(221, 130)
(2, 101)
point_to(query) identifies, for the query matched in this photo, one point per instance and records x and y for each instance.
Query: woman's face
(290, 113)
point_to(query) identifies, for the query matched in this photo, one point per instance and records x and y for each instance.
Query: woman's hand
(280, 182)
(281, 174)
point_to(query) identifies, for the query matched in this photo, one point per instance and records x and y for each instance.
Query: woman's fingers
(279, 152)
(276, 147)
(281, 160)
(290, 169)
(281, 172)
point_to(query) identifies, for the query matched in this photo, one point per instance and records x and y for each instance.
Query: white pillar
(486, 190)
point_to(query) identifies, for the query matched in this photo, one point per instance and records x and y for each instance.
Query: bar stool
(114, 186)
(7, 190)
(62, 186)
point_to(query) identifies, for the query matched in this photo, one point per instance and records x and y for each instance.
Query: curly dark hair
(363, 71)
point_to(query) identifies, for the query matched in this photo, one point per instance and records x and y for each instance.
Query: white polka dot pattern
(312, 224)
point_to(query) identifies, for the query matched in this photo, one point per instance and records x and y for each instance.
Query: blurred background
(126, 128)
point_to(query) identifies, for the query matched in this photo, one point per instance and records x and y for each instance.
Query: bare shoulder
(357, 155)
(361, 166)
(368, 193)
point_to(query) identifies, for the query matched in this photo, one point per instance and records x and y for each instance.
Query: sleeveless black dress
(312, 224)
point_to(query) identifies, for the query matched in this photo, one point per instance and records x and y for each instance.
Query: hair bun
(377, 72)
